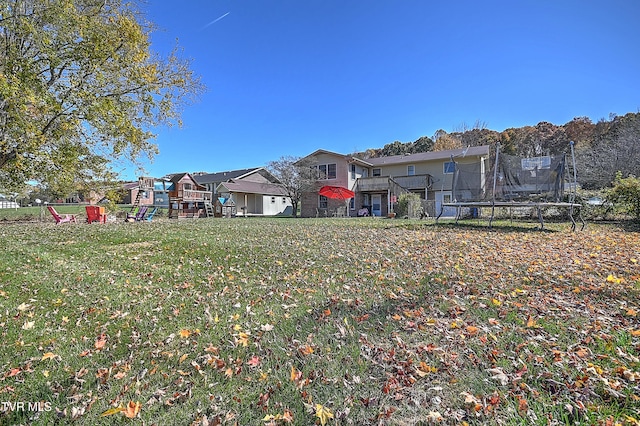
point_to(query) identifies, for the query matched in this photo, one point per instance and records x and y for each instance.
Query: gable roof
(176, 178)
(471, 151)
(349, 158)
(224, 176)
(253, 187)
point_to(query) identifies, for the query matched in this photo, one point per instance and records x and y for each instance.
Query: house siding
(428, 177)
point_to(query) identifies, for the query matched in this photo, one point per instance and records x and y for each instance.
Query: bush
(626, 195)
(408, 205)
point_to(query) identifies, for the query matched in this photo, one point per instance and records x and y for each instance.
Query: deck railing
(383, 183)
(191, 195)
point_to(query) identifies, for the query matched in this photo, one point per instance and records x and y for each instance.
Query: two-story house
(378, 182)
(255, 192)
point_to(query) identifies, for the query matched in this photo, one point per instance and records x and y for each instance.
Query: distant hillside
(601, 148)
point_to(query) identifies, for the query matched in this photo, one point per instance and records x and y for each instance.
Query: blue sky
(286, 77)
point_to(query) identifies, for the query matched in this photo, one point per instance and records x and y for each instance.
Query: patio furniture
(152, 213)
(96, 214)
(61, 218)
(138, 215)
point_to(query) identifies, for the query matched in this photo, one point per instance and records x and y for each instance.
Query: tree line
(602, 149)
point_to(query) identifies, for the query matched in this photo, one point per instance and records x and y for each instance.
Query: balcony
(384, 183)
(413, 182)
(372, 184)
(190, 195)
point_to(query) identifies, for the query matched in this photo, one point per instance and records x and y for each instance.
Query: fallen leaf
(14, 372)
(112, 411)
(305, 350)
(184, 333)
(100, 341)
(295, 374)
(28, 325)
(522, 404)
(48, 355)
(243, 338)
(23, 307)
(323, 414)
(132, 409)
(498, 375)
(254, 361)
(434, 417)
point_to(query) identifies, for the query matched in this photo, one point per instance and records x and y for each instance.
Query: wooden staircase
(209, 208)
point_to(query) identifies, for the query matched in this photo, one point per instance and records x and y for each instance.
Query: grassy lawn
(303, 321)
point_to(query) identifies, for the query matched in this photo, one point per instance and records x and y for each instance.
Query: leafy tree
(626, 194)
(80, 88)
(395, 148)
(444, 141)
(423, 144)
(296, 176)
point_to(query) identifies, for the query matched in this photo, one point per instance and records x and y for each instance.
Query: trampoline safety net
(534, 179)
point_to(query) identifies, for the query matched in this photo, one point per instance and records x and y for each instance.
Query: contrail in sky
(214, 21)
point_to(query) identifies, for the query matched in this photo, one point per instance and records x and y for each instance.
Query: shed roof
(224, 176)
(253, 188)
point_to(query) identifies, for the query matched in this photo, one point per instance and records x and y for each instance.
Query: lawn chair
(152, 213)
(64, 218)
(137, 215)
(96, 214)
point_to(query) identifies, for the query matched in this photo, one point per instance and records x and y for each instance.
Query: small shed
(225, 207)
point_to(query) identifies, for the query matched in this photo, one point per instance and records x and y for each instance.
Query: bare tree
(296, 175)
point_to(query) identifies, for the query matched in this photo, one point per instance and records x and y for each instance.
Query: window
(284, 200)
(327, 171)
(352, 203)
(322, 171)
(332, 171)
(411, 170)
(449, 167)
(273, 200)
(322, 202)
(353, 171)
(377, 172)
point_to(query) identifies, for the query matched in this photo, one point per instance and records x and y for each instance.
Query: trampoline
(517, 182)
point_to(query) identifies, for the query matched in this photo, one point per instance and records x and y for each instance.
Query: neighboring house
(378, 182)
(211, 180)
(188, 199)
(255, 193)
(6, 203)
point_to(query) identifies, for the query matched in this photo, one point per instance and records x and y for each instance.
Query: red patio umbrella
(336, 192)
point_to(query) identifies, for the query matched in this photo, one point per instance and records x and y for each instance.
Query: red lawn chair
(96, 214)
(61, 218)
